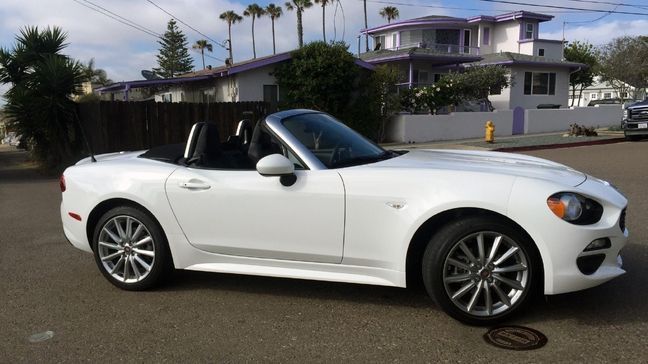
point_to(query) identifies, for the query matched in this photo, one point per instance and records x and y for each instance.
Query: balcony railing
(440, 48)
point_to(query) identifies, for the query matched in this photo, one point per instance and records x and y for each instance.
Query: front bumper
(561, 244)
(634, 127)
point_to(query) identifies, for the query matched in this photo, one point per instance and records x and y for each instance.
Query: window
(529, 30)
(539, 83)
(394, 44)
(271, 94)
(593, 96)
(625, 95)
(423, 77)
(167, 98)
(541, 52)
(486, 40)
(607, 95)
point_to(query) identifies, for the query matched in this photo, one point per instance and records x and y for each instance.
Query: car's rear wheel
(480, 269)
(130, 248)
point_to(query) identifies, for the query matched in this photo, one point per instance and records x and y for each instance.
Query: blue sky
(123, 52)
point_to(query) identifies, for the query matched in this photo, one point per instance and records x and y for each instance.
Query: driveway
(46, 285)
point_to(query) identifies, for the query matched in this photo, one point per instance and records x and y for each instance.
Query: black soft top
(170, 153)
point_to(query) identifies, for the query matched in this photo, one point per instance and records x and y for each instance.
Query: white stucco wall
(527, 48)
(250, 83)
(542, 121)
(465, 125)
(506, 36)
(553, 50)
(460, 125)
(518, 98)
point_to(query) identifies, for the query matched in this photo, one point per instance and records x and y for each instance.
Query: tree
(624, 63)
(274, 12)
(581, 52)
(390, 13)
(174, 57)
(324, 76)
(324, 3)
(299, 6)
(231, 18)
(254, 11)
(96, 76)
(201, 45)
(39, 102)
(476, 83)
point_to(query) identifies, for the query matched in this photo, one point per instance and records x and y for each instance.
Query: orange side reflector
(556, 207)
(75, 216)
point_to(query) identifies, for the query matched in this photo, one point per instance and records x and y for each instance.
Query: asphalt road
(46, 285)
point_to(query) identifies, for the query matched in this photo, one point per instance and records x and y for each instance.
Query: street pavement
(46, 285)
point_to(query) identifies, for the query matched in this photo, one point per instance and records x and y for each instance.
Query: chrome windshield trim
(274, 123)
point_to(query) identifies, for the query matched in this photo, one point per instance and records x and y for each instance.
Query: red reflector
(75, 216)
(62, 183)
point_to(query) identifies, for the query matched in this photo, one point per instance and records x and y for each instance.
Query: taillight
(62, 183)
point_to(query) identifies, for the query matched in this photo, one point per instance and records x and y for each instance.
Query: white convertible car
(303, 196)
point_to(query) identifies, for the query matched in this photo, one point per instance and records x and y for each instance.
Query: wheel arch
(422, 236)
(111, 203)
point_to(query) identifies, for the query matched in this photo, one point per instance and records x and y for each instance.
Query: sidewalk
(518, 142)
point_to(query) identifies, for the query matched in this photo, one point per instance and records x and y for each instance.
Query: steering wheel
(336, 156)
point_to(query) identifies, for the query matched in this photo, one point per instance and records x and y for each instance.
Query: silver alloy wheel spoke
(482, 281)
(133, 244)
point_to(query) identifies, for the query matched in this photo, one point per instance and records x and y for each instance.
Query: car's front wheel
(480, 269)
(130, 248)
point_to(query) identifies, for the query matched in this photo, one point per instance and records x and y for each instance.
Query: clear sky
(123, 51)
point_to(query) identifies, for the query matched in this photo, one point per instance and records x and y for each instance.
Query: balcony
(440, 48)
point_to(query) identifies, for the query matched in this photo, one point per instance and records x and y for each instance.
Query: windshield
(332, 142)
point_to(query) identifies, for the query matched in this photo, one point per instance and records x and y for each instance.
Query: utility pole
(366, 26)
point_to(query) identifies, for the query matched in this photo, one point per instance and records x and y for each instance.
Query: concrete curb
(560, 145)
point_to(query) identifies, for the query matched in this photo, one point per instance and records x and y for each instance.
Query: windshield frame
(275, 124)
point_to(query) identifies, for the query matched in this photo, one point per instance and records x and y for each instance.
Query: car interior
(204, 148)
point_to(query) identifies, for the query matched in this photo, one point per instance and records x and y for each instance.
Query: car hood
(488, 162)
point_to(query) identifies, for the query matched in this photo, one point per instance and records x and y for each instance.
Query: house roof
(439, 19)
(510, 58)
(385, 55)
(218, 72)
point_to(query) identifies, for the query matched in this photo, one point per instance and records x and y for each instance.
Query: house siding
(518, 98)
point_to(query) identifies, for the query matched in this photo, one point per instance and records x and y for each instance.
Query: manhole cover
(515, 338)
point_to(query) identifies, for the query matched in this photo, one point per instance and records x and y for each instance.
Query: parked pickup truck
(635, 120)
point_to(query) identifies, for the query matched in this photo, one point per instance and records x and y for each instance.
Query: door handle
(193, 185)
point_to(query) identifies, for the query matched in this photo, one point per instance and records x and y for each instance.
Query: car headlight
(575, 208)
(625, 114)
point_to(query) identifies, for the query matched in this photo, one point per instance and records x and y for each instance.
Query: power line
(455, 7)
(640, 6)
(564, 7)
(189, 26)
(207, 55)
(134, 25)
(121, 17)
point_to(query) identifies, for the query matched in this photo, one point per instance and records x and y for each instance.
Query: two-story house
(425, 48)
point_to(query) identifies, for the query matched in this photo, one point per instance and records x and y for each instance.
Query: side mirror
(276, 165)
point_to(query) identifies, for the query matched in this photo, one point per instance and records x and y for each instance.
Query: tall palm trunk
(300, 28)
(253, 43)
(366, 26)
(274, 48)
(324, 21)
(229, 40)
(202, 54)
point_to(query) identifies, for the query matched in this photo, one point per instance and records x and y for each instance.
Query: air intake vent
(622, 220)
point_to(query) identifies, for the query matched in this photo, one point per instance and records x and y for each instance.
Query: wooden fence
(116, 125)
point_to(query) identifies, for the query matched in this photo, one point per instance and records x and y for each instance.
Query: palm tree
(324, 3)
(366, 26)
(231, 18)
(390, 13)
(201, 45)
(255, 11)
(299, 6)
(274, 12)
(96, 76)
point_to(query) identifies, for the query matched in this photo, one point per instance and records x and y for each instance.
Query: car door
(240, 212)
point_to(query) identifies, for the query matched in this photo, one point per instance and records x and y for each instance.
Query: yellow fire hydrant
(490, 132)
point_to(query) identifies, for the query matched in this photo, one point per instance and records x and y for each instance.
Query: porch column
(411, 73)
(126, 90)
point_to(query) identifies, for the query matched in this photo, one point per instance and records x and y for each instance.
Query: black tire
(633, 138)
(159, 264)
(443, 257)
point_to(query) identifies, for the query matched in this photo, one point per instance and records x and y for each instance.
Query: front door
(242, 213)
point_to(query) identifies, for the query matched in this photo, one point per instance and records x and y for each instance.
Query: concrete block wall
(405, 128)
